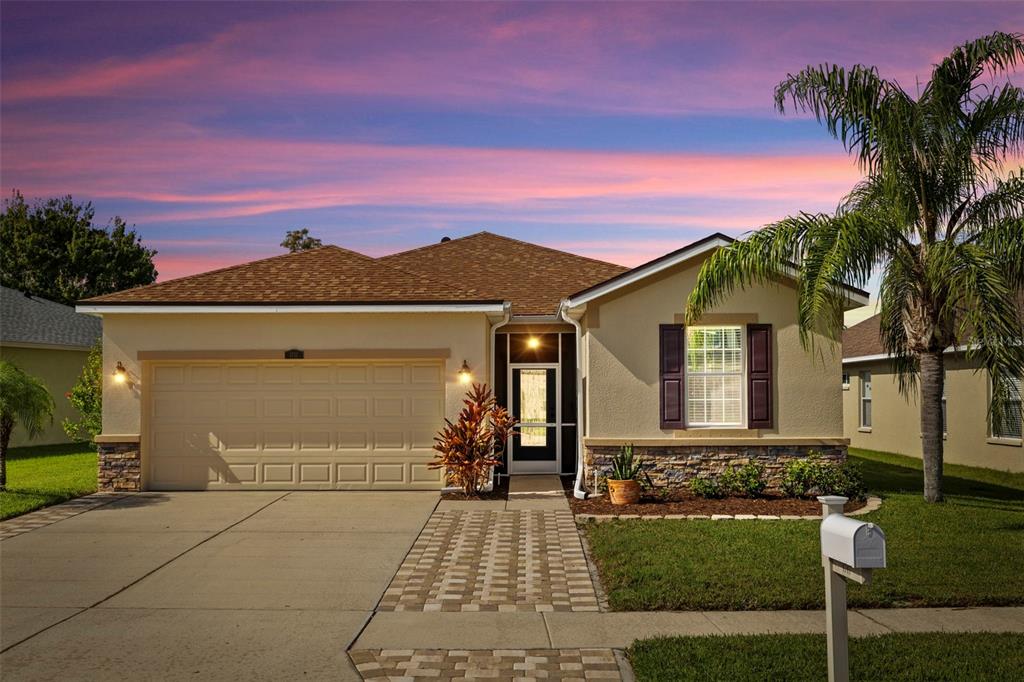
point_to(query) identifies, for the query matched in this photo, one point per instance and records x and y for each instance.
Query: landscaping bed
(500, 492)
(686, 503)
(902, 656)
(41, 475)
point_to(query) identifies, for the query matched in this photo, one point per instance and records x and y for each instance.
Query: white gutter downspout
(577, 490)
(507, 308)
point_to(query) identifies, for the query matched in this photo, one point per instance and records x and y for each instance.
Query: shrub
(469, 448)
(710, 488)
(813, 476)
(86, 396)
(745, 480)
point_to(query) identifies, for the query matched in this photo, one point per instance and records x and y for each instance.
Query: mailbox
(854, 543)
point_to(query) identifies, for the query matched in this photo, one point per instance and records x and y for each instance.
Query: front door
(535, 404)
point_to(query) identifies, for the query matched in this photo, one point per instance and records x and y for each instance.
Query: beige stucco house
(330, 369)
(50, 341)
(876, 416)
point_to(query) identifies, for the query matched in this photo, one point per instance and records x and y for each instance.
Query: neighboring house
(50, 341)
(331, 369)
(876, 416)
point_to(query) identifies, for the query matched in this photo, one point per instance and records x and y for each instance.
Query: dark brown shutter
(759, 376)
(671, 366)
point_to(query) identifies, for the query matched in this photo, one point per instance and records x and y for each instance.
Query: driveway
(232, 585)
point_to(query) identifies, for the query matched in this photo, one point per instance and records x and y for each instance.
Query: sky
(617, 131)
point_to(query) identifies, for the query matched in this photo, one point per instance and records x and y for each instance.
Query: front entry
(535, 404)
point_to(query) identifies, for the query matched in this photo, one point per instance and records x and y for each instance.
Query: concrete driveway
(246, 585)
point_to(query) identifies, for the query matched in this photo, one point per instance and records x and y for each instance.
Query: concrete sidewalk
(618, 630)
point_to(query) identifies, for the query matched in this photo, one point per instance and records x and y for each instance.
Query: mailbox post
(850, 549)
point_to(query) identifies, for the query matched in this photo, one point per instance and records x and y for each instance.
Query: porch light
(533, 343)
(120, 373)
(465, 374)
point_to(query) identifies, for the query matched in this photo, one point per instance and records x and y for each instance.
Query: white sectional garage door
(287, 425)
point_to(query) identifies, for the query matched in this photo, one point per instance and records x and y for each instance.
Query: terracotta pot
(624, 492)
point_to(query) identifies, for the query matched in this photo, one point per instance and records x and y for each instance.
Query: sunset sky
(619, 131)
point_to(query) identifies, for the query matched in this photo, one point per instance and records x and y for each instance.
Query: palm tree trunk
(932, 366)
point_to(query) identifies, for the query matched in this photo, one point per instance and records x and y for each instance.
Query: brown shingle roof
(863, 339)
(533, 278)
(325, 275)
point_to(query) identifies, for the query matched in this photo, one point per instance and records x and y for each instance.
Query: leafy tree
(53, 250)
(299, 240)
(937, 212)
(86, 396)
(24, 400)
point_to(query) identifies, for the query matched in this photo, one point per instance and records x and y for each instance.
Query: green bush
(813, 476)
(745, 480)
(86, 396)
(707, 487)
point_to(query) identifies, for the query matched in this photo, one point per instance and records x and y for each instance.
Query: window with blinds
(1011, 423)
(714, 376)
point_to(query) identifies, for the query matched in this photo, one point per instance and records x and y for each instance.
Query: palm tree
(24, 400)
(937, 213)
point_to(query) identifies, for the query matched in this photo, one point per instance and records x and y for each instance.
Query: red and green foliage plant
(469, 448)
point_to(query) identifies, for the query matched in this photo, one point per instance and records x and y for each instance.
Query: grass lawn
(41, 475)
(966, 551)
(929, 656)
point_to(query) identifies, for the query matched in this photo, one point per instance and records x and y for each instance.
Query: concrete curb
(873, 503)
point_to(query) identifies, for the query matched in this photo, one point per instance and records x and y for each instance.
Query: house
(51, 342)
(876, 416)
(331, 369)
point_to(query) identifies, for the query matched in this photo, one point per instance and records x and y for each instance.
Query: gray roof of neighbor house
(32, 320)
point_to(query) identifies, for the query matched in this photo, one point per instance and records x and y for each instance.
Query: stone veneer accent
(120, 467)
(674, 465)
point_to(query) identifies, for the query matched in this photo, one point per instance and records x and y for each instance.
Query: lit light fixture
(533, 343)
(120, 373)
(465, 374)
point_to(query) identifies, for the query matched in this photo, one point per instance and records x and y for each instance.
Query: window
(944, 422)
(1010, 424)
(865, 400)
(714, 376)
(846, 381)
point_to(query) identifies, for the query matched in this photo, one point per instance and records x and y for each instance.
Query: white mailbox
(851, 542)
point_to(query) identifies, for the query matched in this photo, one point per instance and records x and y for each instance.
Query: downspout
(507, 308)
(577, 490)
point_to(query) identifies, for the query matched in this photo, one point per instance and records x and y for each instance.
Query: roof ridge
(430, 246)
(246, 264)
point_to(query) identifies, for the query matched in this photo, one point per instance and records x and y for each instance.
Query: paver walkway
(567, 665)
(58, 512)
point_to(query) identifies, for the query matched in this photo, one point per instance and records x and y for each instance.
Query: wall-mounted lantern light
(533, 343)
(465, 374)
(120, 373)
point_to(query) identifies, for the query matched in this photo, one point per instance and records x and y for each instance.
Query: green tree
(24, 400)
(299, 240)
(86, 396)
(938, 213)
(53, 250)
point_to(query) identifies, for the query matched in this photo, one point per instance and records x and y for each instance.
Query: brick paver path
(523, 664)
(58, 512)
(485, 560)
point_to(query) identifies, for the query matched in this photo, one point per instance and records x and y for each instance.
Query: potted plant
(623, 480)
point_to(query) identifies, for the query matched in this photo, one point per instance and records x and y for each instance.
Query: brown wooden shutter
(759, 376)
(671, 367)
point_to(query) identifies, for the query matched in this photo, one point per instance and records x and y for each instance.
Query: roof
(32, 320)
(712, 241)
(533, 278)
(326, 275)
(863, 339)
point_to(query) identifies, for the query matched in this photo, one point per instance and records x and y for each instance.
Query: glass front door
(535, 404)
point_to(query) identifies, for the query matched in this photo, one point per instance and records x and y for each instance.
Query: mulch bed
(500, 492)
(686, 503)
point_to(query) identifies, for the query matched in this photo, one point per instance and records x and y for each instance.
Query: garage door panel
(345, 425)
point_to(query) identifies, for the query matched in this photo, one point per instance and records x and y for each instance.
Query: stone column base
(120, 467)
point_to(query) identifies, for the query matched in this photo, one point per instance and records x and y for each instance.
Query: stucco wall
(896, 419)
(621, 352)
(124, 335)
(59, 370)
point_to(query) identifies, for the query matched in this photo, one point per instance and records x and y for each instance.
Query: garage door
(286, 425)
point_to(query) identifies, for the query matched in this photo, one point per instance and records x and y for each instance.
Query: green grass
(968, 551)
(41, 475)
(931, 656)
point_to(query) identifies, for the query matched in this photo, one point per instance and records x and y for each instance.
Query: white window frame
(846, 381)
(992, 425)
(742, 424)
(865, 380)
(945, 420)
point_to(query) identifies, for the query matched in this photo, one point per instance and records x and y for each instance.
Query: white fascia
(496, 308)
